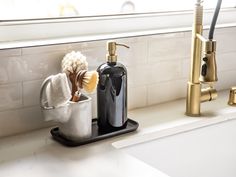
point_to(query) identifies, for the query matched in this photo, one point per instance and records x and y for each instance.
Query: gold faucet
(205, 73)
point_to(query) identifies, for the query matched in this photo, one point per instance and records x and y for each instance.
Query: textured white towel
(58, 91)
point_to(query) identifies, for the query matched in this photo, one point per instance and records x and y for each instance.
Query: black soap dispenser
(112, 92)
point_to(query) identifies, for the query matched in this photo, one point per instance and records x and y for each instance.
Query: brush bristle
(90, 81)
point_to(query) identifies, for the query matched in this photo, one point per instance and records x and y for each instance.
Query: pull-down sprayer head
(209, 67)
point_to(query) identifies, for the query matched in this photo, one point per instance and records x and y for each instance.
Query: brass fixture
(111, 47)
(232, 96)
(205, 73)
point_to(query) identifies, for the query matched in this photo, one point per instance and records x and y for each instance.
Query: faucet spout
(205, 73)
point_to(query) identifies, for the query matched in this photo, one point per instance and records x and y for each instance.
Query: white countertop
(36, 154)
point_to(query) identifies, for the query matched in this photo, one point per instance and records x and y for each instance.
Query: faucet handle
(232, 96)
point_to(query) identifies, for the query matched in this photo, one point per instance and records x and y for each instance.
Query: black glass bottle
(112, 92)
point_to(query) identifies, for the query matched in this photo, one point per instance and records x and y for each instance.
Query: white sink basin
(205, 152)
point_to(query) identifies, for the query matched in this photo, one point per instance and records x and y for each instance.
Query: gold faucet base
(193, 99)
(195, 96)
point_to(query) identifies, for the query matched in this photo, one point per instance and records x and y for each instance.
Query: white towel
(58, 91)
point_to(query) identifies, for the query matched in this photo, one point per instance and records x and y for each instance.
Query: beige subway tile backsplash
(31, 90)
(226, 79)
(166, 91)
(95, 56)
(10, 122)
(11, 96)
(44, 49)
(137, 97)
(158, 68)
(21, 120)
(135, 55)
(85, 45)
(10, 52)
(138, 75)
(167, 36)
(186, 64)
(169, 49)
(12, 69)
(226, 40)
(226, 61)
(165, 71)
(39, 66)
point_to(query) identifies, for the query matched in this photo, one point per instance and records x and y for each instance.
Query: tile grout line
(22, 94)
(19, 108)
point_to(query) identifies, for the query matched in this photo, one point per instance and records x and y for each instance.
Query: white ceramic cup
(79, 125)
(74, 118)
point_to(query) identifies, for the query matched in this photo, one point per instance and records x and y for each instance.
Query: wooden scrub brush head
(87, 80)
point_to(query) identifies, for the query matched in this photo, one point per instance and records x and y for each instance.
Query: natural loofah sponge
(74, 62)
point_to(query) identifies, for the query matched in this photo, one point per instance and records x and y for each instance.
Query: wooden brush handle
(76, 96)
(72, 77)
(80, 77)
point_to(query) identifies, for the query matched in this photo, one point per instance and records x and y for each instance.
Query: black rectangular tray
(96, 134)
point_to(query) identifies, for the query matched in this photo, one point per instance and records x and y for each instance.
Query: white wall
(158, 68)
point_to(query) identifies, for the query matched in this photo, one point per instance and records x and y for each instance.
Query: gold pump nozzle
(111, 47)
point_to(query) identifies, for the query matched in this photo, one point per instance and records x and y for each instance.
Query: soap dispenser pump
(112, 91)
